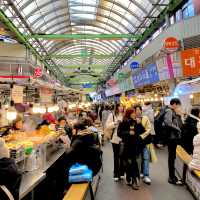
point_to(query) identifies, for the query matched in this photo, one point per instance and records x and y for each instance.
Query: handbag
(152, 152)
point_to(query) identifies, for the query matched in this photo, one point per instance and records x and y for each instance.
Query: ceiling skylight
(83, 9)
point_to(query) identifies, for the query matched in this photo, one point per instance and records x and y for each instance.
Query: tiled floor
(159, 190)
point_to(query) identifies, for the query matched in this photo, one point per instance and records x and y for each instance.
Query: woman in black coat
(129, 131)
(190, 130)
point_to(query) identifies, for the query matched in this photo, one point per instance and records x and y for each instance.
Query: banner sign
(146, 76)
(126, 84)
(169, 66)
(191, 62)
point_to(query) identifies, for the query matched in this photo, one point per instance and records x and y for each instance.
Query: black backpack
(160, 127)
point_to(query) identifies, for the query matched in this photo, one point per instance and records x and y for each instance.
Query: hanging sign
(134, 65)
(17, 94)
(190, 61)
(38, 72)
(87, 85)
(171, 44)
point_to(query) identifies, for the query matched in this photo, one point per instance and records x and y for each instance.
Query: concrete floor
(159, 189)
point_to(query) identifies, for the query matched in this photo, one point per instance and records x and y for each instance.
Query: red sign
(171, 44)
(191, 61)
(38, 72)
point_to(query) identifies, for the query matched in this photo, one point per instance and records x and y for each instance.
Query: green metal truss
(24, 40)
(84, 36)
(100, 56)
(93, 66)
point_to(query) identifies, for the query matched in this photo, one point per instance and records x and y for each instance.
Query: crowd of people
(134, 131)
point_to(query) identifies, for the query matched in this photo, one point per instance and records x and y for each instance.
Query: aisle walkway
(159, 190)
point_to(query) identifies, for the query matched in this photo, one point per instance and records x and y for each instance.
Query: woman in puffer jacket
(195, 163)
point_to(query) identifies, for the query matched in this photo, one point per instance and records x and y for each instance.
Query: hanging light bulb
(42, 110)
(191, 96)
(50, 109)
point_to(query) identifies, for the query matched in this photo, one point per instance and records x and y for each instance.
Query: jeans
(145, 161)
(118, 163)
(172, 157)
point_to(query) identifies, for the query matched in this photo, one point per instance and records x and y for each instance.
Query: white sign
(17, 94)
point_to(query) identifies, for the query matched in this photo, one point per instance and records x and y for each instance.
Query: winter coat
(10, 176)
(149, 112)
(188, 133)
(172, 123)
(110, 130)
(85, 150)
(105, 114)
(132, 143)
(195, 163)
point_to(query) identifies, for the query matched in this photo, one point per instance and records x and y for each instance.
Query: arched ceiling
(83, 17)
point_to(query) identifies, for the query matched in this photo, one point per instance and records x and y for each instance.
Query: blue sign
(87, 85)
(146, 76)
(153, 73)
(134, 65)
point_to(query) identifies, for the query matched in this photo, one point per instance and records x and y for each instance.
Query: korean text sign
(191, 62)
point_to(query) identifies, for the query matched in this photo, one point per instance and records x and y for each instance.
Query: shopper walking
(172, 124)
(146, 139)
(190, 130)
(129, 131)
(113, 121)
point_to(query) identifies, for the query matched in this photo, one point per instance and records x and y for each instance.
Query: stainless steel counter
(31, 179)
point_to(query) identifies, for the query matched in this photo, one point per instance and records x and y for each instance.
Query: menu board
(145, 76)
(17, 94)
(46, 95)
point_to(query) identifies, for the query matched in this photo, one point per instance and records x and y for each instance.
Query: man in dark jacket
(172, 123)
(9, 174)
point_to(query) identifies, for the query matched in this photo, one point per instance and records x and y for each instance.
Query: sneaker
(122, 177)
(175, 181)
(147, 180)
(142, 176)
(116, 179)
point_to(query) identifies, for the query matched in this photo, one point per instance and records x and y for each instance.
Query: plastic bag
(85, 177)
(78, 169)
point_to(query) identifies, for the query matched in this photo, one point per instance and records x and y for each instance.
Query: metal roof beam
(100, 56)
(84, 36)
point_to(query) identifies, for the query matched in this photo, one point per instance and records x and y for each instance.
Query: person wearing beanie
(10, 176)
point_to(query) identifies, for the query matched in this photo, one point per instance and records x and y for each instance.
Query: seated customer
(9, 174)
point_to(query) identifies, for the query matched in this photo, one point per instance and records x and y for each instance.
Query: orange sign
(191, 62)
(171, 44)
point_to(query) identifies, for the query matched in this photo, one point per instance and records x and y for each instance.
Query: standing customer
(190, 130)
(129, 131)
(172, 124)
(146, 139)
(113, 121)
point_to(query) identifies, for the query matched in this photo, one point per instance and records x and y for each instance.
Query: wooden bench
(79, 192)
(186, 158)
